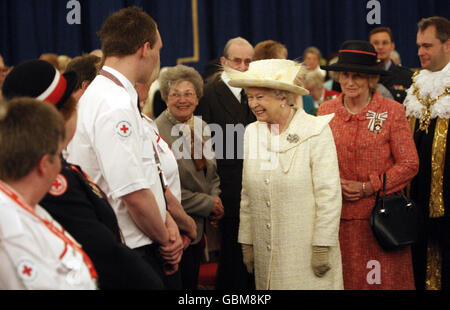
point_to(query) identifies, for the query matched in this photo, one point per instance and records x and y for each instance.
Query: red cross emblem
(56, 184)
(59, 186)
(26, 269)
(124, 129)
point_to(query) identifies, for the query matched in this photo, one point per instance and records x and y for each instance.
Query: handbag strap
(384, 191)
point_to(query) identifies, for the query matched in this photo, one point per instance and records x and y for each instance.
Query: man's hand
(172, 251)
(185, 223)
(186, 241)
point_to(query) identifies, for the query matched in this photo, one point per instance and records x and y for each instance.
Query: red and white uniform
(34, 257)
(109, 146)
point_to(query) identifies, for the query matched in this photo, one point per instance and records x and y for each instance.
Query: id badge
(70, 267)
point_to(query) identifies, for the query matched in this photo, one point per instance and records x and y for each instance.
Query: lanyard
(59, 233)
(110, 76)
(113, 78)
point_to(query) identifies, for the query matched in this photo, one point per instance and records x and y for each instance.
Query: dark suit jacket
(397, 82)
(219, 106)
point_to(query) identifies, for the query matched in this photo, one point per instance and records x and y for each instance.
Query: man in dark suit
(226, 107)
(399, 79)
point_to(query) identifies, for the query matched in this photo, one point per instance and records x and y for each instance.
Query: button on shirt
(34, 258)
(109, 146)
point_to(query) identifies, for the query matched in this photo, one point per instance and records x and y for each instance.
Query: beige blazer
(291, 200)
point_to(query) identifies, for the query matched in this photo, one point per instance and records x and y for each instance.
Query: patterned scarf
(197, 156)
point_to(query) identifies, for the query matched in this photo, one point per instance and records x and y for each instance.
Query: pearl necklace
(354, 113)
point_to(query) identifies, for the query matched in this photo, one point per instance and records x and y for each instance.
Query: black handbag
(394, 220)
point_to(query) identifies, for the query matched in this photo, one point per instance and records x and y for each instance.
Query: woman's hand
(354, 190)
(217, 212)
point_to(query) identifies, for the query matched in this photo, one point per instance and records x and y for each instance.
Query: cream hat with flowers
(269, 73)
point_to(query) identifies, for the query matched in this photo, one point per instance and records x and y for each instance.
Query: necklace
(354, 113)
(425, 120)
(286, 125)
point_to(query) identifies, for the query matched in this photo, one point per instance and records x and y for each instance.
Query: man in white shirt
(108, 143)
(35, 251)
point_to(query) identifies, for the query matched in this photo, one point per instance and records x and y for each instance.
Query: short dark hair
(442, 26)
(269, 49)
(86, 67)
(29, 129)
(125, 31)
(382, 29)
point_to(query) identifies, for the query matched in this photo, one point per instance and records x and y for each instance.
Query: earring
(283, 105)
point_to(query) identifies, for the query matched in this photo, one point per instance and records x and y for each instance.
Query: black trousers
(151, 255)
(190, 266)
(231, 271)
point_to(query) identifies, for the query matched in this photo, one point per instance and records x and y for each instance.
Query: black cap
(357, 56)
(40, 80)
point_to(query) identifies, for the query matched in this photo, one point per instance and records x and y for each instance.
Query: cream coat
(291, 200)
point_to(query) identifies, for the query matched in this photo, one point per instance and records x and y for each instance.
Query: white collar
(129, 87)
(430, 84)
(235, 90)
(388, 65)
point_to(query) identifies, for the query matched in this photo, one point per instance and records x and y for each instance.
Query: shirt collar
(235, 90)
(129, 87)
(388, 65)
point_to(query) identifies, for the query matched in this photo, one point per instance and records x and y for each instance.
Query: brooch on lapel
(376, 120)
(292, 138)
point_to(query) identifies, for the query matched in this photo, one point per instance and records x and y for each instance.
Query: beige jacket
(291, 200)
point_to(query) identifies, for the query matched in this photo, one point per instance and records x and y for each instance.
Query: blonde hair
(63, 61)
(314, 79)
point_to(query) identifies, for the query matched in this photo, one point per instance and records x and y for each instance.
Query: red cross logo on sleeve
(124, 129)
(27, 270)
(59, 186)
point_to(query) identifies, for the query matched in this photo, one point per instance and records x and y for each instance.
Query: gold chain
(427, 103)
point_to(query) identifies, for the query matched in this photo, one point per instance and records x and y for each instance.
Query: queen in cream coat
(291, 196)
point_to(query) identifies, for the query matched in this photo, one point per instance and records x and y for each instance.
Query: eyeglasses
(238, 61)
(176, 95)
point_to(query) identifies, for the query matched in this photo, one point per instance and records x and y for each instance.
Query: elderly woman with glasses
(181, 89)
(290, 202)
(372, 138)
